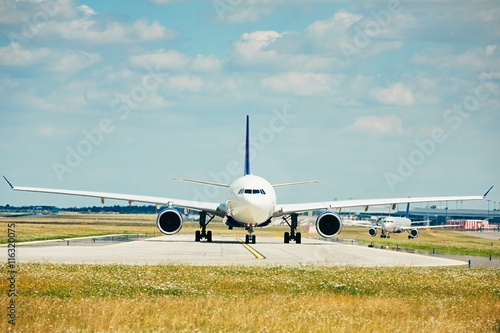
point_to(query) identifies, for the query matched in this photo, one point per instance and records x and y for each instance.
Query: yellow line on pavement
(257, 255)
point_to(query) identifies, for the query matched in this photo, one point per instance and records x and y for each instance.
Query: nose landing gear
(250, 238)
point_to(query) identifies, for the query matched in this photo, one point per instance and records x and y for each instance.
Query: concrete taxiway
(224, 250)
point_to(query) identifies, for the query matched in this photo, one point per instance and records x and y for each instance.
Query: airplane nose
(255, 210)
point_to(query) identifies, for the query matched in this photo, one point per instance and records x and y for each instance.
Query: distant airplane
(397, 225)
(251, 204)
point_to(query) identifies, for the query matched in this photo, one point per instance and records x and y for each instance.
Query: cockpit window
(252, 191)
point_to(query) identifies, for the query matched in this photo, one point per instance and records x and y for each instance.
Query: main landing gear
(292, 222)
(203, 233)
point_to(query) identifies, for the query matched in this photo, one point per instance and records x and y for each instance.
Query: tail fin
(407, 214)
(247, 148)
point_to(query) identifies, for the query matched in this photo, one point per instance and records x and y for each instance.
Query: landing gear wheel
(293, 223)
(203, 233)
(250, 239)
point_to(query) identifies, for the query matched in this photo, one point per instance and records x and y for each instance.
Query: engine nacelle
(328, 224)
(169, 221)
(372, 232)
(414, 233)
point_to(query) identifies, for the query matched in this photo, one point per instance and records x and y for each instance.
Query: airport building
(473, 224)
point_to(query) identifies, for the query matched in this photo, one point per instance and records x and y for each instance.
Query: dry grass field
(114, 298)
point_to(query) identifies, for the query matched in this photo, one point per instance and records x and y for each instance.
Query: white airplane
(397, 225)
(251, 204)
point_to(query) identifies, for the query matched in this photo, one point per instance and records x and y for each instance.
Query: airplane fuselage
(394, 224)
(251, 201)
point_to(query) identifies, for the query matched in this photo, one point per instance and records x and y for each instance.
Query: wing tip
(11, 186)
(484, 196)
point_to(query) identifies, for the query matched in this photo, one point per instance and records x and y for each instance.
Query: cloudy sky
(376, 99)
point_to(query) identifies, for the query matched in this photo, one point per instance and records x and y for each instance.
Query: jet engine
(372, 232)
(328, 224)
(414, 233)
(169, 221)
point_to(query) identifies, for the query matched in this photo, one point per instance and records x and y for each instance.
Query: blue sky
(378, 99)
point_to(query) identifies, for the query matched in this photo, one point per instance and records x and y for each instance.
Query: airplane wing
(213, 208)
(286, 209)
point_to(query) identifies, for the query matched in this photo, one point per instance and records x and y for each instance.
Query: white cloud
(86, 10)
(244, 11)
(325, 45)
(52, 60)
(471, 60)
(17, 55)
(299, 84)
(379, 125)
(251, 48)
(397, 94)
(113, 32)
(81, 23)
(490, 50)
(34, 12)
(185, 82)
(206, 63)
(335, 26)
(164, 60)
(71, 62)
(273, 51)
(47, 131)
(176, 61)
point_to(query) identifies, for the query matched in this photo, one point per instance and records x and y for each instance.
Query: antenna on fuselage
(247, 148)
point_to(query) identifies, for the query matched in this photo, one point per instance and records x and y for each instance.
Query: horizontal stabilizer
(202, 182)
(296, 183)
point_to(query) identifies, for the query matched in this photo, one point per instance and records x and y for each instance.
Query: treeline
(151, 209)
(148, 209)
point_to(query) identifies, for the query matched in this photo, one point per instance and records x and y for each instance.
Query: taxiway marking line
(253, 251)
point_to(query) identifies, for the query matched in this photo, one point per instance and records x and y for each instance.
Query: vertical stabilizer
(407, 214)
(247, 148)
